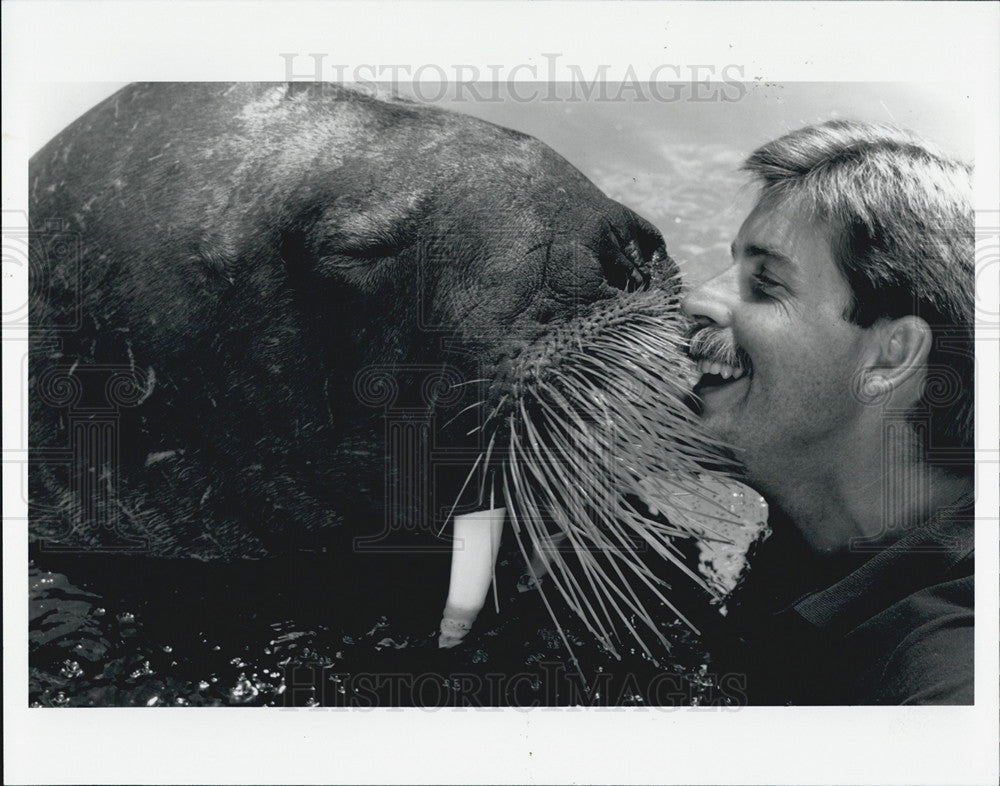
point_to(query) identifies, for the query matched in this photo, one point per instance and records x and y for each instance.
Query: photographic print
(280, 357)
(424, 388)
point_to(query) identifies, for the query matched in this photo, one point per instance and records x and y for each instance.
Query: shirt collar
(916, 560)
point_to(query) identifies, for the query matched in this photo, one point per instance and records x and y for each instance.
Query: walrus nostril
(638, 281)
(651, 257)
(634, 257)
(624, 263)
(620, 273)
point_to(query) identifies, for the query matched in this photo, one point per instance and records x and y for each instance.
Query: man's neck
(848, 510)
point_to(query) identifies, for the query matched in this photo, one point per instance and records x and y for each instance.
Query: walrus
(268, 318)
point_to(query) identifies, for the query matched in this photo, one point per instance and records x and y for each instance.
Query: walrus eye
(358, 257)
(349, 246)
(346, 239)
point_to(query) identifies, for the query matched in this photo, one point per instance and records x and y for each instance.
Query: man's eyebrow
(753, 250)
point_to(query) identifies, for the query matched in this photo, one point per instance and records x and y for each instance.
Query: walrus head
(299, 311)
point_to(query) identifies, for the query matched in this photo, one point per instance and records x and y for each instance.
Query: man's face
(786, 398)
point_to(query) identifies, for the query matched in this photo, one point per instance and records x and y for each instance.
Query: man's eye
(763, 284)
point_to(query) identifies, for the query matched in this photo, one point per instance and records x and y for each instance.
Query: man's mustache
(716, 345)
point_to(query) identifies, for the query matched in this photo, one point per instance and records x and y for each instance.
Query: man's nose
(713, 302)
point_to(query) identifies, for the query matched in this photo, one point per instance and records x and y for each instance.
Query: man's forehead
(787, 233)
(753, 249)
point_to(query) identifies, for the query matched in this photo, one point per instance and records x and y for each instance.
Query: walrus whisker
(462, 412)
(601, 591)
(573, 594)
(468, 382)
(563, 578)
(596, 409)
(650, 582)
(548, 491)
(458, 496)
(630, 600)
(508, 498)
(489, 418)
(562, 423)
(605, 634)
(667, 552)
(695, 492)
(573, 419)
(537, 581)
(593, 571)
(496, 594)
(633, 604)
(486, 464)
(706, 532)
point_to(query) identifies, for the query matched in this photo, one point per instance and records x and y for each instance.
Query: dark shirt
(897, 629)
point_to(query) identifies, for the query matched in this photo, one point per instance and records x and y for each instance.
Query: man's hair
(903, 234)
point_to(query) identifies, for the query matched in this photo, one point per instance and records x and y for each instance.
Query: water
(314, 630)
(676, 162)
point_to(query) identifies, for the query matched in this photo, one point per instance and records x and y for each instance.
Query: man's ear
(899, 354)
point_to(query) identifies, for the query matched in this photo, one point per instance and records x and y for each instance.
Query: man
(837, 358)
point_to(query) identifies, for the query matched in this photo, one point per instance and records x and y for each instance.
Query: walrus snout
(588, 414)
(603, 253)
(633, 254)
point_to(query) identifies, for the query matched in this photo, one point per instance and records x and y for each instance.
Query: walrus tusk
(473, 555)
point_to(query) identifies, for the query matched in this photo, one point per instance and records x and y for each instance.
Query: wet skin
(271, 269)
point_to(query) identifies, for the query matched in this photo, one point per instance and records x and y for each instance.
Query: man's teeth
(720, 369)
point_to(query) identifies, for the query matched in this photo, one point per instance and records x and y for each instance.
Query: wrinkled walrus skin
(237, 286)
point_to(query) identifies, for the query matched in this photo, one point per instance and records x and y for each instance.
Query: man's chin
(719, 397)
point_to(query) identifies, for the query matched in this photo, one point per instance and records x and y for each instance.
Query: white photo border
(88, 42)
